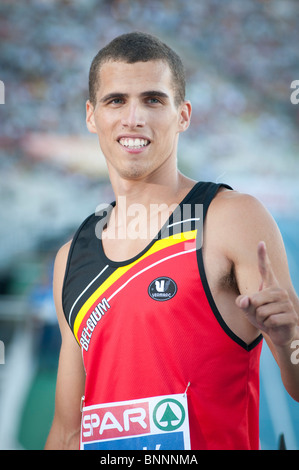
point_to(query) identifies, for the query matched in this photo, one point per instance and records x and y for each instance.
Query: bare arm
(267, 296)
(65, 430)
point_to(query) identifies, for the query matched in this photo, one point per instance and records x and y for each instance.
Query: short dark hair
(138, 47)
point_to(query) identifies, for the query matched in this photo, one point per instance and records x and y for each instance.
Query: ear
(185, 116)
(90, 123)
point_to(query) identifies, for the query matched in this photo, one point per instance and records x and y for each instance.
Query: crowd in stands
(240, 59)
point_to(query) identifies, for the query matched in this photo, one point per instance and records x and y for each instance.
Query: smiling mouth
(133, 143)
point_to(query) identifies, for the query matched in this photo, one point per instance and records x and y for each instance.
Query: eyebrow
(150, 93)
(155, 93)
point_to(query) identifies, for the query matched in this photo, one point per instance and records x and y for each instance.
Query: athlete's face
(136, 118)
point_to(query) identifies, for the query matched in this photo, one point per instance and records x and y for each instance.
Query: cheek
(165, 125)
(104, 121)
(169, 132)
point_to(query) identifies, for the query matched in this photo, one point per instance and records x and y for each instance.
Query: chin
(134, 173)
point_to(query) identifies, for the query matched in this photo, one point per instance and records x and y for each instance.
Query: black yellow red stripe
(121, 271)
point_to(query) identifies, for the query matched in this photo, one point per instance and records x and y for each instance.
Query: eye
(152, 100)
(116, 101)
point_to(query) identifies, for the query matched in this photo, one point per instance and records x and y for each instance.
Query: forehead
(119, 76)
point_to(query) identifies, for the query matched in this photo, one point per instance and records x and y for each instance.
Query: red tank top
(163, 370)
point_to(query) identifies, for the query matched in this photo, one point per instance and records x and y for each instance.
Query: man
(161, 328)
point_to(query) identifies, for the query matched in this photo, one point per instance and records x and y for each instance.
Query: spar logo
(169, 414)
(137, 424)
(116, 421)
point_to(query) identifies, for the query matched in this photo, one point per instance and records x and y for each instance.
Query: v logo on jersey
(162, 288)
(160, 285)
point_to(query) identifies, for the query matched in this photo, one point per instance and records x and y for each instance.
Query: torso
(153, 302)
(219, 269)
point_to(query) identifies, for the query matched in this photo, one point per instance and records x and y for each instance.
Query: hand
(271, 309)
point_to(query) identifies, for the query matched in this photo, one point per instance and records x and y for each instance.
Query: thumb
(243, 302)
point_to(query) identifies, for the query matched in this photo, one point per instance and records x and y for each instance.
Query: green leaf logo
(169, 414)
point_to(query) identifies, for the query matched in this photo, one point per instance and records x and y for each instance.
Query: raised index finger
(265, 268)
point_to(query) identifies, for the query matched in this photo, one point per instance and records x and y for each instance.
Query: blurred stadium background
(240, 58)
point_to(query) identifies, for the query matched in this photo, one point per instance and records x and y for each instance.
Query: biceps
(246, 264)
(258, 226)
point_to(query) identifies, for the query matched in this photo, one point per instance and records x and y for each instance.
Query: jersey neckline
(113, 263)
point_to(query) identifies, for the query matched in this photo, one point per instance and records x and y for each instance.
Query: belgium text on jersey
(92, 321)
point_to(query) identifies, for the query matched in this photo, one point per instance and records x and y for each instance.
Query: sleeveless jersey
(163, 369)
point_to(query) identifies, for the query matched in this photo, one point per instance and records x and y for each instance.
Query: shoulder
(61, 258)
(58, 278)
(234, 210)
(231, 201)
(238, 222)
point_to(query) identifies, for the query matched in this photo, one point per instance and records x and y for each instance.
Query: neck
(152, 191)
(139, 202)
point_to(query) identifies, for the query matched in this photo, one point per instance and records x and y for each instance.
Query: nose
(133, 116)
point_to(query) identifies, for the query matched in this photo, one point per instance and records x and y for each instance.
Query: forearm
(60, 438)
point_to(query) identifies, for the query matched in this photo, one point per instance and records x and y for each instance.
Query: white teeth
(133, 143)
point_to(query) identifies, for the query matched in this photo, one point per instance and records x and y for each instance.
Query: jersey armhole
(211, 193)
(216, 312)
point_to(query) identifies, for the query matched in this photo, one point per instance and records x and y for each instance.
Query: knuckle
(274, 321)
(255, 300)
(260, 313)
(284, 294)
